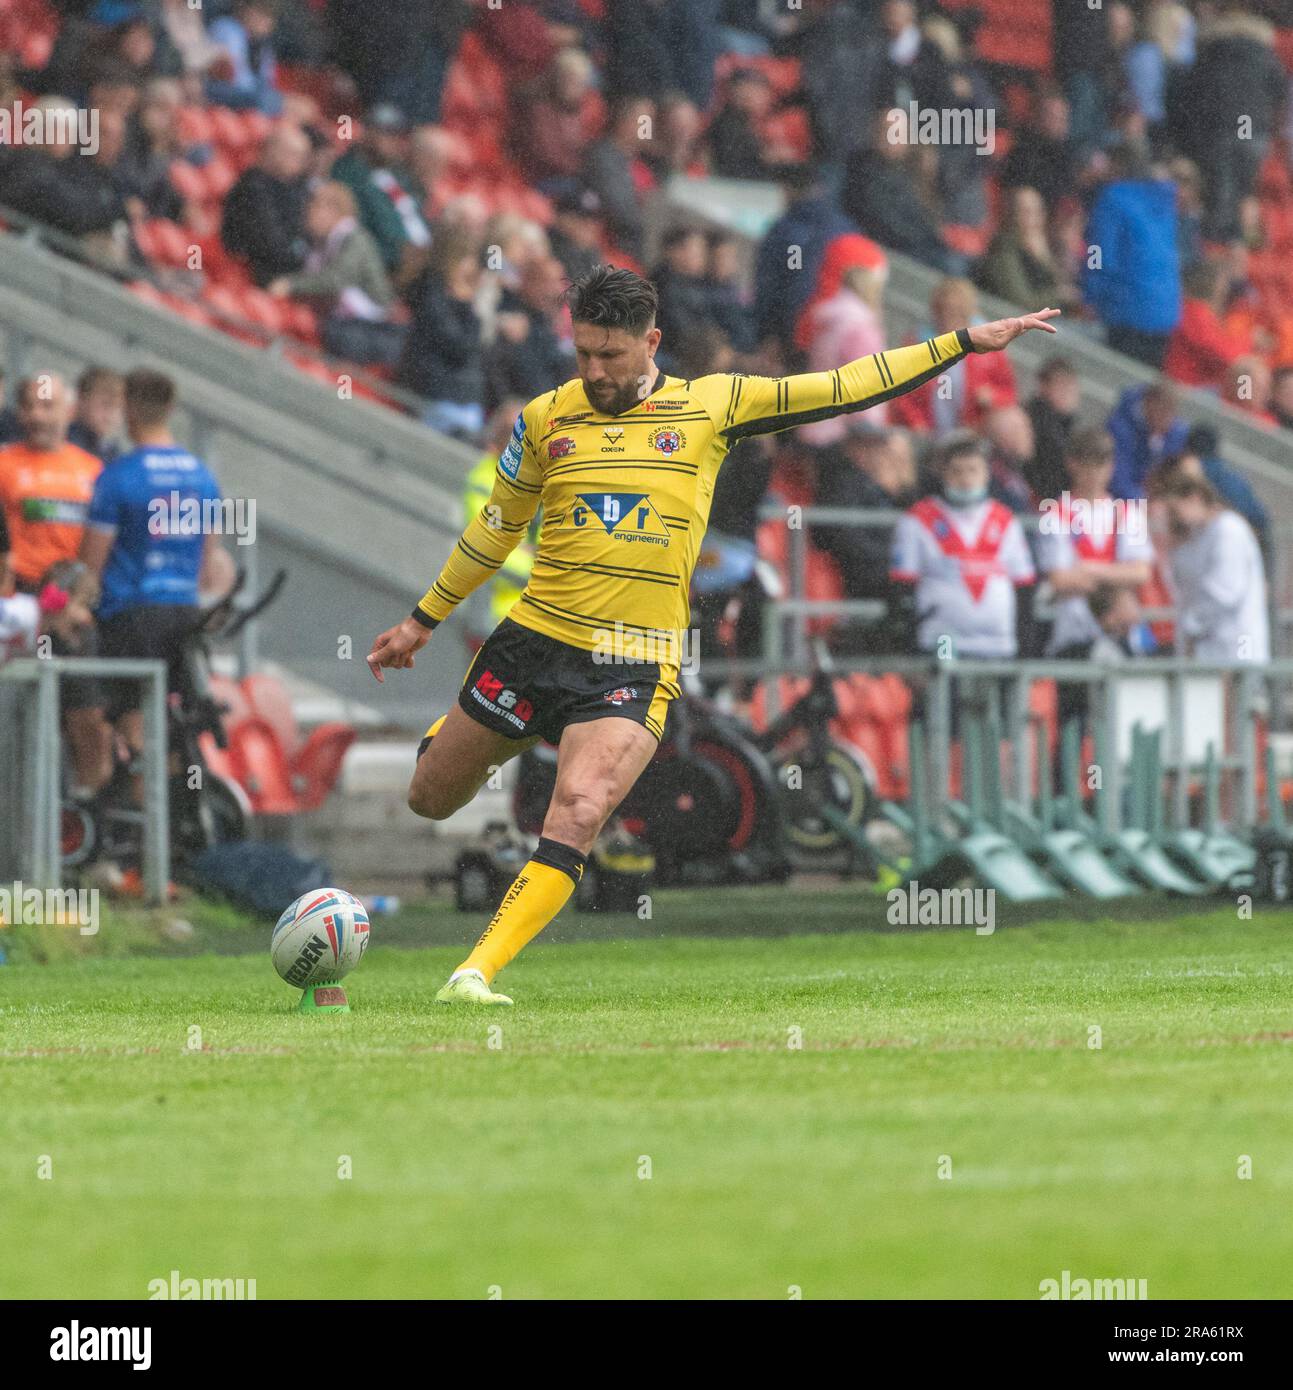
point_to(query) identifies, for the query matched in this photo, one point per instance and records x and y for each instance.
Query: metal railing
(31, 768)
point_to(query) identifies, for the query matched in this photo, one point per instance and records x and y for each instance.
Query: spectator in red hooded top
(842, 321)
(1201, 348)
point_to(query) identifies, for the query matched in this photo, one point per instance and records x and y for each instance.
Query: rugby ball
(320, 938)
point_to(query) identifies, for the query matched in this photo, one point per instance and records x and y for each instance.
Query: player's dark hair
(611, 298)
(150, 396)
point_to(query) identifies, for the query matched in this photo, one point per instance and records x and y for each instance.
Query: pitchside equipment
(317, 942)
(1067, 854)
(1273, 844)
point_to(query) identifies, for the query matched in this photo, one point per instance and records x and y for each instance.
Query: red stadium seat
(195, 125)
(314, 763)
(164, 243)
(258, 764)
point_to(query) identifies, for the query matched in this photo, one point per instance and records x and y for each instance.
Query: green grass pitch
(643, 1126)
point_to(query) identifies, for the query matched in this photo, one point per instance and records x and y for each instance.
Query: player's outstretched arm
(1000, 333)
(764, 405)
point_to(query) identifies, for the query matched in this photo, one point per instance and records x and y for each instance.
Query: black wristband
(420, 617)
(963, 337)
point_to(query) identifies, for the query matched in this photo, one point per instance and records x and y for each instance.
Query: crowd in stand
(1127, 197)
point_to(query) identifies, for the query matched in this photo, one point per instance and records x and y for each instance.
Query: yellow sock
(538, 893)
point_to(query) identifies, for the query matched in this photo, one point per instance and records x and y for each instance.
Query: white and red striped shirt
(965, 563)
(1103, 531)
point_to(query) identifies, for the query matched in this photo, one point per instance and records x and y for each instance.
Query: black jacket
(879, 196)
(73, 195)
(264, 221)
(443, 357)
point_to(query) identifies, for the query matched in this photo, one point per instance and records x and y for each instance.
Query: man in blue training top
(152, 523)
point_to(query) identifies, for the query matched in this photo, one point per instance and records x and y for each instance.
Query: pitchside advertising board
(1075, 1328)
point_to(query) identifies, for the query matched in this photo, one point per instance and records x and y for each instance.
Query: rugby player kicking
(623, 460)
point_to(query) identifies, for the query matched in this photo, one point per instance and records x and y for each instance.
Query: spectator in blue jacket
(1147, 427)
(1132, 278)
(790, 255)
(247, 37)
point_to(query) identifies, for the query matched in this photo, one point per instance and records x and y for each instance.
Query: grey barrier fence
(31, 768)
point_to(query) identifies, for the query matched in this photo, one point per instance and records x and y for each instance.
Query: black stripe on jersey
(732, 399)
(652, 726)
(885, 365)
(517, 484)
(623, 465)
(933, 351)
(772, 424)
(447, 594)
(670, 581)
(588, 620)
(478, 556)
(837, 388)
(602, 422)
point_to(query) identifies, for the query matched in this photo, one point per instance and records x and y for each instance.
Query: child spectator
(965, 555)
(1087, 541)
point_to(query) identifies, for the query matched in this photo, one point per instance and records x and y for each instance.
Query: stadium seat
(164, 243)
(314, 763)
(259, 766)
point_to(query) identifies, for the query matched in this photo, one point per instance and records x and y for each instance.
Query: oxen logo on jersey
(626, 516)
(561, 448)
(667, 441)
(622, 696)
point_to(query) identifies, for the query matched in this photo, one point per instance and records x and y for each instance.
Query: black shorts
(152, 632)
(78, 692)
(522, 683)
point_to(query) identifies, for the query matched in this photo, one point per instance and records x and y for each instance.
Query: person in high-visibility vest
(507, 586)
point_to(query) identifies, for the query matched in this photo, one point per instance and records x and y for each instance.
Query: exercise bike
(205, 808)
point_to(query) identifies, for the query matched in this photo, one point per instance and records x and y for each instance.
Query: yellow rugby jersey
(626, 497)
